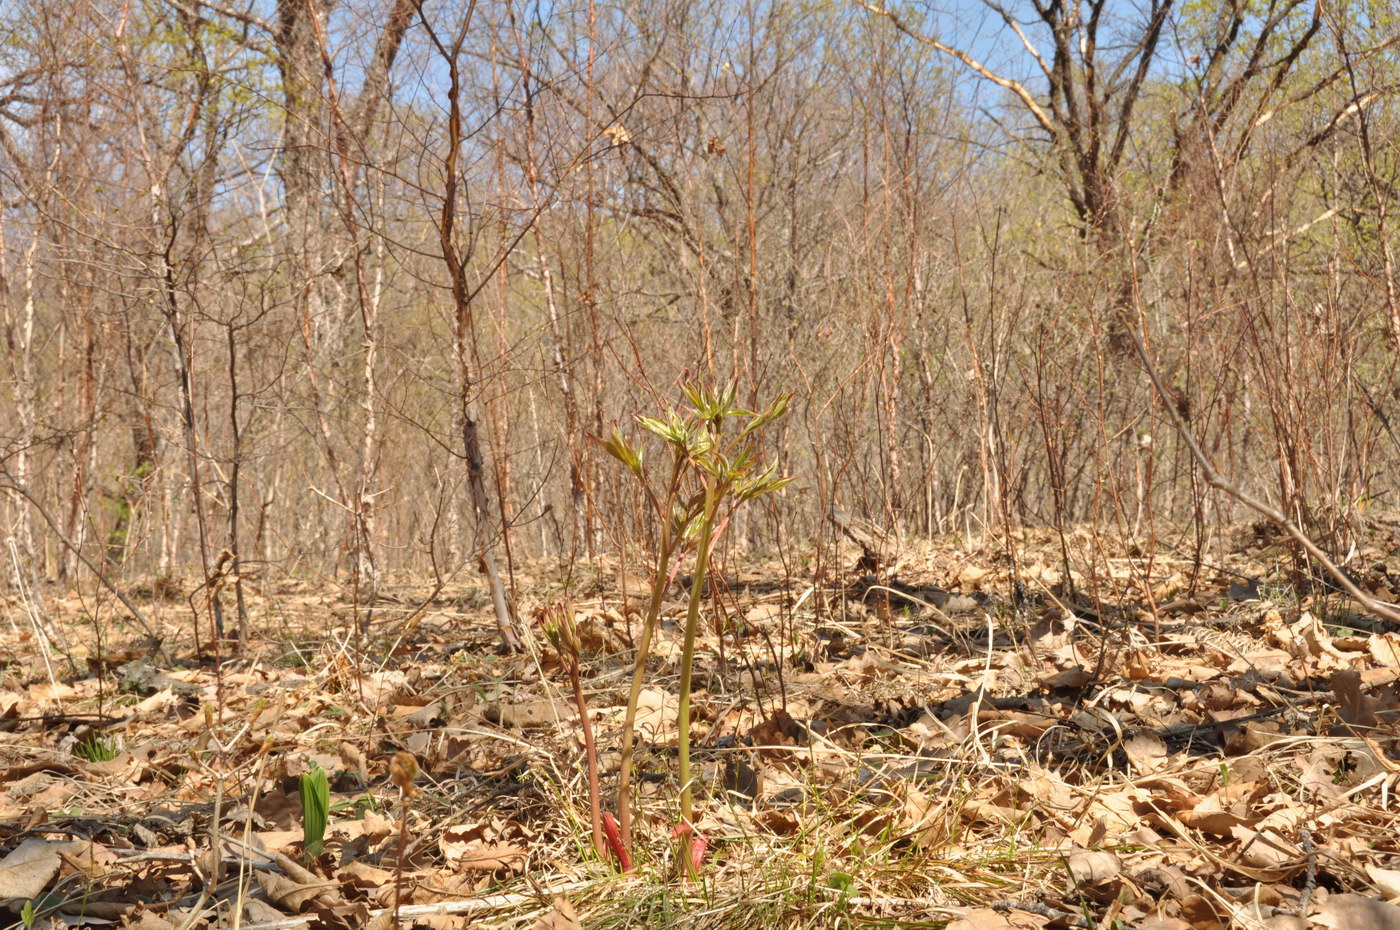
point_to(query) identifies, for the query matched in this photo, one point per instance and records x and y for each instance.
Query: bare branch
(1026, 97)
(1269, 512)
(1025, 39)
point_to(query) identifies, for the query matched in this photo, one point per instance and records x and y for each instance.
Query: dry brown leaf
(363, 875)
(984, 918)
(1356, 912)
(1146, 751)
(657, 715)
(561, 916)
(289, 893)
(1091, 866)
(1386, 880)
(31, 865)
(470, 847)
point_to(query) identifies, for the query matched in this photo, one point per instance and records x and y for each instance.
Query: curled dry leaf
(1092, 866)
(291, 894)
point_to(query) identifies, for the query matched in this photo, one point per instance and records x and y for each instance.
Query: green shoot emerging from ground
(315, 810)
(96, 748)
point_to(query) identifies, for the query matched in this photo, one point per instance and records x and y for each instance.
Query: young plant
(403, 769)
(714, 470)
(563, 635)
(96, 748)
(675, 520)
(315, 810)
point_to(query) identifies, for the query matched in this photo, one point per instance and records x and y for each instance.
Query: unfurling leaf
(315, 810)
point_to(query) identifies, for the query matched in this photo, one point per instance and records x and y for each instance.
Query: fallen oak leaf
(466, 847)
(289, 893)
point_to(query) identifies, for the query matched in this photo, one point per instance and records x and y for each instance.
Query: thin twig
(1219, 482)
(13, 485)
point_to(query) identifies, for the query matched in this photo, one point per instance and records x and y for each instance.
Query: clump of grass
(96, 748)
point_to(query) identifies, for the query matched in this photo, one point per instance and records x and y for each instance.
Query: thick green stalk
(692, 623)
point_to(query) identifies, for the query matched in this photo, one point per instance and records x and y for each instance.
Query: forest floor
(939, 741)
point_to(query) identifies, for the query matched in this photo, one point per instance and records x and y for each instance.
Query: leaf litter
(901, 745)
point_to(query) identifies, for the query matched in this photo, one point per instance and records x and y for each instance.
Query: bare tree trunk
(462, 297)
(20, 342)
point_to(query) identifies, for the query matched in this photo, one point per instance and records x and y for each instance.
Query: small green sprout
(96, 748)
(315, 810)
